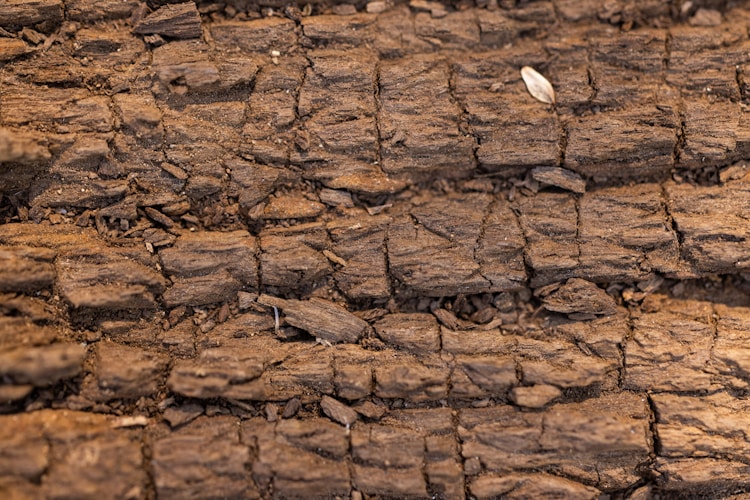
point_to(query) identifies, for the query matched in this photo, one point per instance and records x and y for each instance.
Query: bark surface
(340, 251)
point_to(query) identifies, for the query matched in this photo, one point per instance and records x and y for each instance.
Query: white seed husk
(539, 87)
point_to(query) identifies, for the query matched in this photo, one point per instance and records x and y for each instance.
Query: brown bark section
(349, 255)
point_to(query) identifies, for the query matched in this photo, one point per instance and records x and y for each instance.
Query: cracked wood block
(627, 68)
(534, 485)
(701, 59)
(78, 191)
(352, 372)
(598, 442)
(556, 362)
(209, 267)
(711, 224)
(408, 377)
(601, 337)
(643, 50)
(292, 257)
(15, 14)
(306, 371)
(393, 34)
(61, 110)
(51, 68)
(299, 458)
(204, 455)
(230, 371)
(513, 132)
(701, 426)
(125, 372)
(456, 30)
(292, 205)
(434, 250)
(498, 28)
(610, 234)
(442, 463)
(217, 124)
(361, 244)
(387, 446)
(550, 225)
(19, 146)
(418, 121)
(482, 375)
(416, 333)
(106, 50)
(341, 32)
(337, 110)
(702, 476)
(730, 356)
(625, 234)
(268, 132)
(180, 20)
(716, 132)
(47, 446)
(491, 362)
(41, 365)
(62, 238)
(500, 249)
(619, 88)
(104, 277)
(641, 142)
(185, 63)
(476, 341)
(93, 10)
(670, 349)
(140, 117)
(388, 460)
(257, 36)
(26, 269)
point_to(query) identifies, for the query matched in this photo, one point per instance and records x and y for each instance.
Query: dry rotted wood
(273, 255)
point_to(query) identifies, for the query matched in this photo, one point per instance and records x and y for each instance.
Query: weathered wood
(418, 121)
(579, 296)
(173, 20)
(209, 267)
(321, 318)
(42, 365)
(176, 457)
(124, 372)
(501, 291)
(15, 14)
(25, 269)
(559, 177)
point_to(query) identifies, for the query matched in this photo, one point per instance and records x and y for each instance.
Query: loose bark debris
(173, 20)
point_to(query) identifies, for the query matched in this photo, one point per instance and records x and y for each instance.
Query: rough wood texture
(279, 252)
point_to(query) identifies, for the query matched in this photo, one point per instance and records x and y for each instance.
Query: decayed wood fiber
(301, 256)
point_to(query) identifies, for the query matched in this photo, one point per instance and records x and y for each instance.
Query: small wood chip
(539, 87)
(131, 421)
(559, 177)
(158, 217)
(334, 258)
(337, 411)
(378, 209)
(535, 396)
(291, 408)
(172, 20)
(578, 297)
